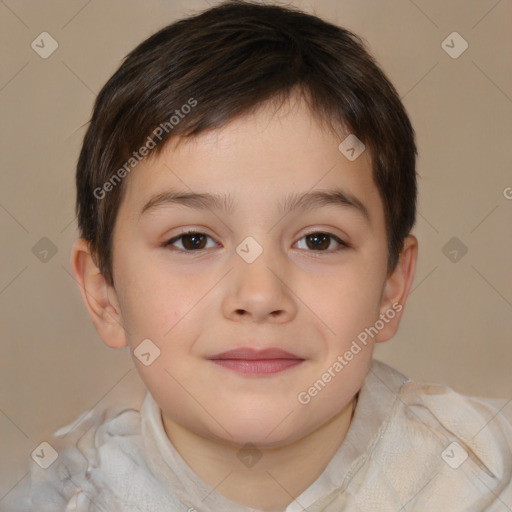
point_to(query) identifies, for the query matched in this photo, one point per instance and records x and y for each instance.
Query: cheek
(162, 310)
(153, 298)
(156, 310)
(349, 302)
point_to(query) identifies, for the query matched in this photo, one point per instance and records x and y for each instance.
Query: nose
(259, 292)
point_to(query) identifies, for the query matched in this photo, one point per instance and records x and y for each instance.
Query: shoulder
(452, 444)
(77, 479)
(476, 424)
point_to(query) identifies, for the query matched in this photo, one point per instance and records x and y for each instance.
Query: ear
(396, 289)
(99, 297)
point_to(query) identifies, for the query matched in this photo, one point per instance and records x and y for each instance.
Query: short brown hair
(227, 61)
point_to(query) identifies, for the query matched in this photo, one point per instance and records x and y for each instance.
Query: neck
(278, 475)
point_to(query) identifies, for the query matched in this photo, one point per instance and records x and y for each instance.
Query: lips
(247, 353)
(250, 361)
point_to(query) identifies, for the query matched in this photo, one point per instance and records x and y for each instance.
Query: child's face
(310, 302)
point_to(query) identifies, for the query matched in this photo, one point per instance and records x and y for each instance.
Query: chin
(263, 431)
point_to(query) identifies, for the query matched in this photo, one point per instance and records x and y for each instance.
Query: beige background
(458, 322)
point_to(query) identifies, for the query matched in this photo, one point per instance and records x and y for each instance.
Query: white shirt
(410, 447)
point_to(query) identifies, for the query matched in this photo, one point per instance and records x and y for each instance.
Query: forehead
(269, 156)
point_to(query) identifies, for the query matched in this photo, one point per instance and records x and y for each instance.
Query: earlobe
(99, 297)
(396, 289)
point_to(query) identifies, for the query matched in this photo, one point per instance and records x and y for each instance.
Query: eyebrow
(295, 201)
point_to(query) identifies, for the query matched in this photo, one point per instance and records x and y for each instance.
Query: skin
(294, 296)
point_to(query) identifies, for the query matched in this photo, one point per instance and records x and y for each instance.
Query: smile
(248, 361)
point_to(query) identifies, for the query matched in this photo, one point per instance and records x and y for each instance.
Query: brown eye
(321, 242)
(318, 241)
(192, 241)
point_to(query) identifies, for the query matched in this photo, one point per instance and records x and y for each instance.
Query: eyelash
(342, 244)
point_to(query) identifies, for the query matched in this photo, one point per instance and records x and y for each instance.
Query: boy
(246, 192)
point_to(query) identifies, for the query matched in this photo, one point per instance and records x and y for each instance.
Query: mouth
(249, 361)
